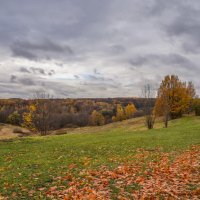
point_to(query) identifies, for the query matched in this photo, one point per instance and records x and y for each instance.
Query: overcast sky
(96, 48)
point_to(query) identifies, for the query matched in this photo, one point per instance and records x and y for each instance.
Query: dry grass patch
(11, 132)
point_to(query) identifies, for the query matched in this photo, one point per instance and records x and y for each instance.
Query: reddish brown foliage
(151, 175)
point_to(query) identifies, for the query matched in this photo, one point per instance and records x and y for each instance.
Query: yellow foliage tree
(120, 115)
(97, 119)
(28, 118)
(130, 110)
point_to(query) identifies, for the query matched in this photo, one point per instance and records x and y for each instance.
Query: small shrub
(150, 120)
(14, 118)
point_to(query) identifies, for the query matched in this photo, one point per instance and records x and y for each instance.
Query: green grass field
(32, 163)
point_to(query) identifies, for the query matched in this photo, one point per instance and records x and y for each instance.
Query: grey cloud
(163, 59)
(117, 49)
(51, 72)
(45, 45)
(96, 71)
(59, 64)
(96, 43)
(76, 76)
(67, 93)
(158, 7)
(99, 85)
(26, 81)
(139, 61)
(44, 49)
(61, 89)
(13, 78)
(18, 52)
(96, 78)
(23, 81)
(24, 70)
(186, 25)
(38, 70)
(8, 91)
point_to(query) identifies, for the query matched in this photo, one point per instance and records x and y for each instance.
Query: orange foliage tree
(173, 98)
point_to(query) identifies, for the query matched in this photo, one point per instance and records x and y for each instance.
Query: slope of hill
(32, 165)
(134, 124)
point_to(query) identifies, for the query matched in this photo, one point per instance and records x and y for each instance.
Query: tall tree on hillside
(173, 98)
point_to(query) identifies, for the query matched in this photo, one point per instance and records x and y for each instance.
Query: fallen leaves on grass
(1, 198)
(150, 175)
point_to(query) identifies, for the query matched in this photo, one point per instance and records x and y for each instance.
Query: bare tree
(44, 106)
(148, 94)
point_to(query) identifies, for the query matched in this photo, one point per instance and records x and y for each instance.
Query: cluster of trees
(124, 113)
(174, 98)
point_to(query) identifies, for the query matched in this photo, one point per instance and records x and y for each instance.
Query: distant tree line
(42, 113)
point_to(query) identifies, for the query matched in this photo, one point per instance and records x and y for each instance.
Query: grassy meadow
(29, 166)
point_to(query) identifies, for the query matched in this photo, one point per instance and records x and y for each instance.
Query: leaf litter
(149, 175)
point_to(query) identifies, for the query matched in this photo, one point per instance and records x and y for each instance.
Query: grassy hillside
(31, 164)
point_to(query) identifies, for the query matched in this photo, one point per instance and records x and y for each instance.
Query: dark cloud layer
(95, 48)
(164, 59)
(38, 50)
